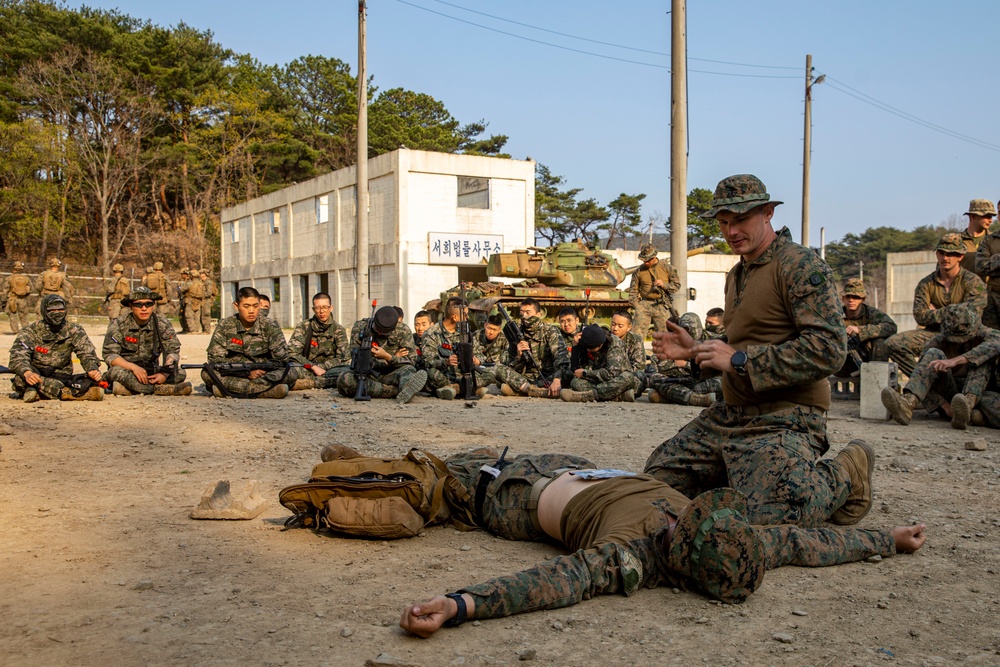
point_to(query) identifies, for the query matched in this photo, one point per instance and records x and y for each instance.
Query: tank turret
(570, 264)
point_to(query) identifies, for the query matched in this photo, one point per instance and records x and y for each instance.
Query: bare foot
(909, 538)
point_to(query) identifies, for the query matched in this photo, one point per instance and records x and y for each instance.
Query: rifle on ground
(514, 335)
(242, 369)
(463, 349)
(361, 357)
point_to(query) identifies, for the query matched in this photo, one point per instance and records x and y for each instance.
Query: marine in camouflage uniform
(320, 344)
(491, 352)
(211, 291)
(182, 288)
(132, 340)
(601, 371)
(46, 348)
(115, 290)
(651, 292)
(981, 213)
(868, 329)
(549, 351)
(786, 337)
(617, 531)
(159, 282)
(930, 297)
(14, 291)
(988, 268)
(53, 281)
(259, 340)
(635, 349)
(969, 351)
(686, 384)
(437, 347)
(390, 378)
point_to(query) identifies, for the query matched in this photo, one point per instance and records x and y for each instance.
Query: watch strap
(461, 616)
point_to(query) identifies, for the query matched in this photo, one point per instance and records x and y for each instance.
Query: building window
(234, 231)
(275, 226)
(473, 192)
(275, 290)
(322, 209)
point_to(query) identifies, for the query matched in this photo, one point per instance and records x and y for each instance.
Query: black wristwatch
(461, 616)
(739, 362)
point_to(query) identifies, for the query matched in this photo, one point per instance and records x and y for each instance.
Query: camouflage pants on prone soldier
(765, 452)
(378, 386)
(934, 388)
(610, 389)
(674, 392)
(241, 385)
(127, 379)
(906, 347)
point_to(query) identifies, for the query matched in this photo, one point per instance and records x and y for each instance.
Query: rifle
(463, 349)
(854, 359)
(4, 369)
(361, 357)
(513, 334)
(215, 369)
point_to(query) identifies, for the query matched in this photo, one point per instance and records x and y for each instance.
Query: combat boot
(507, 390)
(961, 411)
(538, 392)
(94, 393)
(654, 397)
(977, 418)
(482, 392)
(858, 458)
(181, 389)
(571, 396)
(701, 400)
(304, 383)
(413, 384)
(277, 391)
(627, 396)
(31, 395)
(447, 393)
(900, 406)
(120, 390)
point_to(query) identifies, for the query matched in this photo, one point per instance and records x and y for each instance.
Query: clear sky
(604, 123)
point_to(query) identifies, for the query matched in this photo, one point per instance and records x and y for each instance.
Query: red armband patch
(131, 339)
(42, 350)
(314, 343)
(236, 341)
(446, 346)
(374, 343)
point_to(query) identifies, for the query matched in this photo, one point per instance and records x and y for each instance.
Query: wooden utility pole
(806, 151)
(361, 169)
(678, 148)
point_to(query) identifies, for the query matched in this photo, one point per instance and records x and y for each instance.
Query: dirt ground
(101, 563)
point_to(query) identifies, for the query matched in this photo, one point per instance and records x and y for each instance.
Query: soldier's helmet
(185, 271)
(19, 266)
(140, 293)
(738, 194)
(715, 546)
(149, 269)
(647, 252)
(157, 266)
(951, 243)
(981, 207)
(117, 268)
(54, 262)
(960, 322)
(203, 272)
(691, 323)
(386, 319)
(854, 287)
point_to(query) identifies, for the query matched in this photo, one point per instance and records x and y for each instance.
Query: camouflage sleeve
(168, 337)
(297, 342)
(988, 257)
(975, 290)
(637, 357)
(673, 280)
(276, 345)
(560, 356)
(69, 289)
(217, 350)
(821, 346)
(986, 351)
(21, 352)
(923, 312)
(404, 340)
(112, 347)
(560, 582)
(882, 326)
(429, 345)
(819, 547)
(633, 290)
(84, 349)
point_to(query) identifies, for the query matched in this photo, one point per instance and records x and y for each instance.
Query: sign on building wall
(462, 248)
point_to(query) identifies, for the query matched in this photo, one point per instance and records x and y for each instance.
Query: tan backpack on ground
(379, 498)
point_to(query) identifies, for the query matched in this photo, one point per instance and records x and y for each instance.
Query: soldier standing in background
(182, 287)
(651, 293)
(14, 293)
(116, 289)
(158, 282)
(988, 268)
(194, 295)
(211, 291)
(53, 281)
(981, 213)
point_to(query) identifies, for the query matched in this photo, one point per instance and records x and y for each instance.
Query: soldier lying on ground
(320, 343)
(133, 345)
(953, 371)
(627, 532)
(42, 358)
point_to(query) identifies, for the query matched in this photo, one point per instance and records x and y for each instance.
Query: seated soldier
(868, 329)
(682, 381)
(627, 531)
(490, 348)
(392, 372)
(133, 346)
(42, 358)
(320, 345)
(635, 348)
(601, 372)
(569, 327)
(538, 365)
(714, 328)
(421, 323)
(248, 338)
(953, 371)
(438, 350)
(265, 306)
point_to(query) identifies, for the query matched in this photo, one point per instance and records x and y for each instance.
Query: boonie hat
(157, 266)
(647, 252)
(691, 323)
(960, 322)
(738, 194)
(951, 242)
(981, 207)
(18, 266)
(854, 287)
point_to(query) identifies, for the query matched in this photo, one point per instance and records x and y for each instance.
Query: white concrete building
(433, 218)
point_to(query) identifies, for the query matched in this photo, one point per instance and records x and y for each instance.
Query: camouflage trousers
(991, 316)
(646, 311)
(935, 388)
(767, 457)
(873, 349)
(17, 312)
(47, 388)
(206, 316)
(989, 405)
(438, 378)
(610, 389)
(506, 375)
(378, 386)
(679, 394)
(241, 385)
(308, 380)
(906, 347)
(127, 379)
(192, 316)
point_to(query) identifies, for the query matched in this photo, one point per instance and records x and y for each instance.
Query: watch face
(739, 359)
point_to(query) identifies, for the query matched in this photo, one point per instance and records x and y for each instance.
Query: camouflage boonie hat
(54, 262)
(951, 243)
(960, 322)
(738, 194)
(691, 323)
(981, 207)
(715, 546)
(854, 287)
(141, 294)
(117, 268)
(647, 252)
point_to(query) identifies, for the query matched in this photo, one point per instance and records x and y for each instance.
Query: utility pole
(807, 147)
(678, 148)
(361, 169)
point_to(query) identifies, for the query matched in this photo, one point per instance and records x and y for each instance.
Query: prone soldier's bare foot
(909, 538)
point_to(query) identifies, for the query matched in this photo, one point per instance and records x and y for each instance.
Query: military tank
(558, 276)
